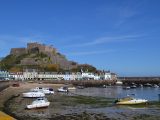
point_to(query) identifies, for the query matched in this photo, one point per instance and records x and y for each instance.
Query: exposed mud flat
(74, 107)
(63, 106)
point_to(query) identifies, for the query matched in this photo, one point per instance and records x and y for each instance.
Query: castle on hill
(31, 47)
(50, 56)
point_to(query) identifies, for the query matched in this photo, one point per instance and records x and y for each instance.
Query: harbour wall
(139, 80)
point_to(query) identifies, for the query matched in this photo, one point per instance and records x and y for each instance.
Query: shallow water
(148, 93)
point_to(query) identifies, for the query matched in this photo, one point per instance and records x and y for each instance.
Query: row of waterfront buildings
(34, 75)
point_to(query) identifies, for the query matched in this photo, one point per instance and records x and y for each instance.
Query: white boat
(133, 86)
(62, 89)
(127, 87)
(39, 103)
(140, 85)
(44, 90)
(148, 85)
(33, 94)
(155, 86)
(119, 83)
(130, 101)
(71, 88)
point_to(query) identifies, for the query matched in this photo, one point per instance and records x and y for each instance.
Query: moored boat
(62, 89)
(148, 85)
(33, 94)
(130, 101)
(127, 87)
(39, 103)
(119, 83)
(44, 90)
(133, 86)
(71, 88)
(155, 86)
(140, 85)
(80, 87)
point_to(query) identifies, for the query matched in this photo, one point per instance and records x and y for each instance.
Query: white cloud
(103, 40)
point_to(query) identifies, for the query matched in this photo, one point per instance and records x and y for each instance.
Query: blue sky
(117, 35)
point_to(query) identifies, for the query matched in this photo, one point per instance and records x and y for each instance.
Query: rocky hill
(41, 57)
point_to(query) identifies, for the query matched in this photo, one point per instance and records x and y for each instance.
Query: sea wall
(140, 80)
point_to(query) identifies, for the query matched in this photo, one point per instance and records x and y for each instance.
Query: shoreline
(72, 107)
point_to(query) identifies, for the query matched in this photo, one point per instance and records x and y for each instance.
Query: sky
(122, 36)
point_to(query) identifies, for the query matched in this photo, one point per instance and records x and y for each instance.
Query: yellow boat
(130, 101)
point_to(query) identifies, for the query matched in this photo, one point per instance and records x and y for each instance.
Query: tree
(15, 69)
(85, 68)
(51, 67)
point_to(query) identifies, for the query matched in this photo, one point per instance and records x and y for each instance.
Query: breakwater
(140, 80)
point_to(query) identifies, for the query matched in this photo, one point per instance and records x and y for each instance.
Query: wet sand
(70, 106)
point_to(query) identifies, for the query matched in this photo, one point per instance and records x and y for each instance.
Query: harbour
(79, 60)
(88, 102)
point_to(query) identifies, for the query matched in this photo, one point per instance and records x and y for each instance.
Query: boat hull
(131, 102)
(38, 105)
(33, 95)
(43, 90)
(61, 90)
(71, 88)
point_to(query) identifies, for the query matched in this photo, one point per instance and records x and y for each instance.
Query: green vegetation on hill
(41, 61)
(13, 62)
(84, 67)
(10, 61)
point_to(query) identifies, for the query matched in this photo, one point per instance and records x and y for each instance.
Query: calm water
(117, 91)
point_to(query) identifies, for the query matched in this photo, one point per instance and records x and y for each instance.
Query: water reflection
(117, 91)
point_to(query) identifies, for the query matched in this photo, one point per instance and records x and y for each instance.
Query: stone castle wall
(18, 51)
(41, 47)
(30, 46)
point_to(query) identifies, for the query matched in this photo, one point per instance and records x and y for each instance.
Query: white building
(87, 75)
(72, 76)
(30, 74)
(97, 77)
(16, 76)
(107, 76)
(4, 75)
(48, 75)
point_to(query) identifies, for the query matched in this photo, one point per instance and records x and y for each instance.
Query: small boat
(71, 88)
(39, 103)
(133, 86)
(63, 89)
(33, 94)
(155, 86)
(80, 87)
(119, 83)
(44, 90)
(104, 86)
(127, 87)
(148, 85)
(130, 101)
(140, 85)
